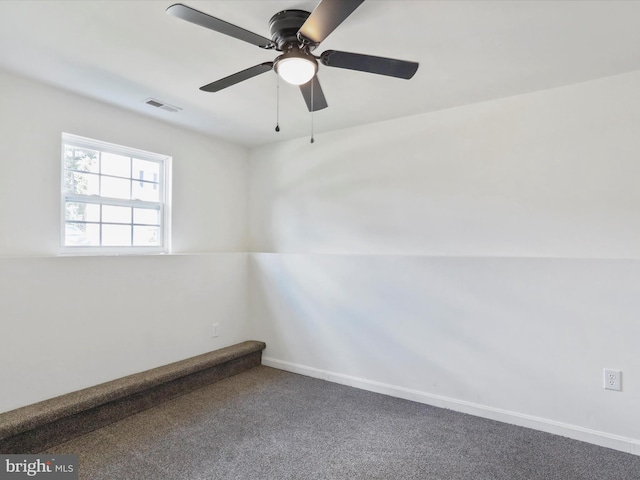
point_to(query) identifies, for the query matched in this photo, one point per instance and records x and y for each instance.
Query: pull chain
(312, 82)
(277, 103)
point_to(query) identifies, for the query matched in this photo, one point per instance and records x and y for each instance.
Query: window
(114, 198)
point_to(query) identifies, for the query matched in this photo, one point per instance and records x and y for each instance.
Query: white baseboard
(603, 439)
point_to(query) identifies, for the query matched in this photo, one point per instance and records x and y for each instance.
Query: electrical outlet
(612, 379)
(214, 330)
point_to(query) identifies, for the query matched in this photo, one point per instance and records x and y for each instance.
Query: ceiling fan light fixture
(296, 67)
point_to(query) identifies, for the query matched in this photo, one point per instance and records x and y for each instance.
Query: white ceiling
(123, 52)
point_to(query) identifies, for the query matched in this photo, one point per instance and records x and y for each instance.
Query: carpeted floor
(270, 424)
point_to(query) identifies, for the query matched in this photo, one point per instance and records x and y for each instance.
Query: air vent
(154, 102)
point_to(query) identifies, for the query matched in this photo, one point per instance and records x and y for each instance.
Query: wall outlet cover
(612, 379)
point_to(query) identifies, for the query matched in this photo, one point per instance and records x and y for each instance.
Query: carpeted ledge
(36, 427)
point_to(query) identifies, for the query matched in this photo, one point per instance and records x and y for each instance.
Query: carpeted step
(33, 428)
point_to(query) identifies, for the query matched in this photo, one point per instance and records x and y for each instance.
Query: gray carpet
(270, 424)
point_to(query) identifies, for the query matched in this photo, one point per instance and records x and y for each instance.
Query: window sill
(111, 252)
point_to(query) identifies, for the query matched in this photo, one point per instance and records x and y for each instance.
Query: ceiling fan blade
(315, 99)
(326, 17)
(369, 63)
(237, 77)
(207, 21)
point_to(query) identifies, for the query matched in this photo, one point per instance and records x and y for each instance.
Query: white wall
(71, 322)
(484, 258)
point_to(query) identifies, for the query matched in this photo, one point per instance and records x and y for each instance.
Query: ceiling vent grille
(154, 102)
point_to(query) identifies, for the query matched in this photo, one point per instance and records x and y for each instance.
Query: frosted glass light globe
(296, 70)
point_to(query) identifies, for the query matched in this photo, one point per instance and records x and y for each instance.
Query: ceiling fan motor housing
(284, 27)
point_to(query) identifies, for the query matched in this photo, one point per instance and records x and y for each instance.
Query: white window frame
(164, 203)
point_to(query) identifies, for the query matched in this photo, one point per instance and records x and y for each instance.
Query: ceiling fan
(297, 33)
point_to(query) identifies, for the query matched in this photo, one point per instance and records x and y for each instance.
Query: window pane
(81, 159)
(85, 212)
(74, 211)
(146, 236)
(148, 216)
(116, 187)
(92, 232)
(144, 170)
(116, 235)
(146, 176)
(75, 235)
(116, 165)
(82, 183)
(113, 214)
(145, 191)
